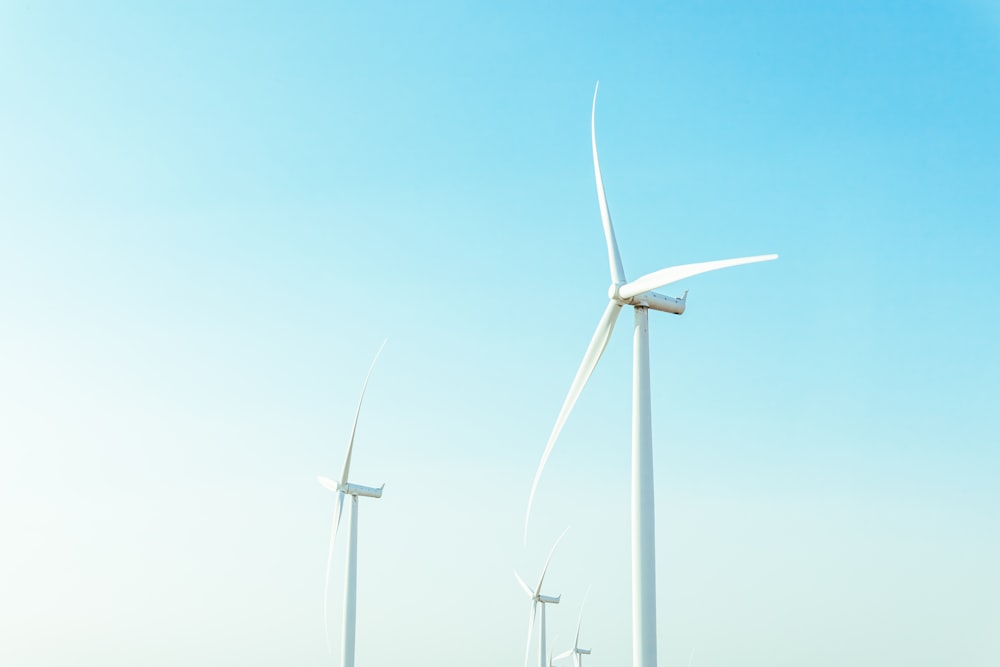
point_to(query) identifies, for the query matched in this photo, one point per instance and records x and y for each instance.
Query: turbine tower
(537, 599)
(640, 295)
(344, 488)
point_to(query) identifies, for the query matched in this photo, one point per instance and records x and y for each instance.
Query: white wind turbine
(638, 294)
(576, 651)
(344, 488)
(537, 599)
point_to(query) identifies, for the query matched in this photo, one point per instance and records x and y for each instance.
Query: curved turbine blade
(565, 654)
(590, 358)
(658, 279)
(576, 643)
(357, 413)
(531, 628)
(538, 589)
(523, 585)
(328, 483)
(614, 257)
(329, 563)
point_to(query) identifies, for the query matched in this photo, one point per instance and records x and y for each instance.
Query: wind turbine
(638, 294)
(537, 598)
(576, 651)
(344, 488)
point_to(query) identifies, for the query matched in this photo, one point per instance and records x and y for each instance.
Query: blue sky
(212, 214)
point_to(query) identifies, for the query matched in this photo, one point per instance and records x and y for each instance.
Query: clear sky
(212, 213)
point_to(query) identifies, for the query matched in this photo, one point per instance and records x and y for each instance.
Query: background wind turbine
(537, 599)
(638, 294)
(576, 651)
(344, 488)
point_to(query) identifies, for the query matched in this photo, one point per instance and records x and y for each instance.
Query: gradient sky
(212, 213)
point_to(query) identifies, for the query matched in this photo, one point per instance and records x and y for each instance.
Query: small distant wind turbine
(576, 651)
(537, 598)
(344, 488)
(638, 294)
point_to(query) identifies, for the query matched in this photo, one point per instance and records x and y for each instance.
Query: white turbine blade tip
(614, 256)
(552, 552)
(673, 274)
(357, 414)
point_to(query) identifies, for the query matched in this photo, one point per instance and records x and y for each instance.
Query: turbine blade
(590, 358)
(328, 483)
(329, 563)
(523, 585)
(614, 257)
(538, 589)
(576, 643)
(663, 277)
(531, 628)
(357, 413)
(565, 654)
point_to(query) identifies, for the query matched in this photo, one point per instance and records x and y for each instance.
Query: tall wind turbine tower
(344, 488)
(640, 296)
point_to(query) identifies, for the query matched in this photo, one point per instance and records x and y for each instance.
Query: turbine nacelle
(351, 489)
(661, 302)
(358, 490)
(651, 300)
(548, 599)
